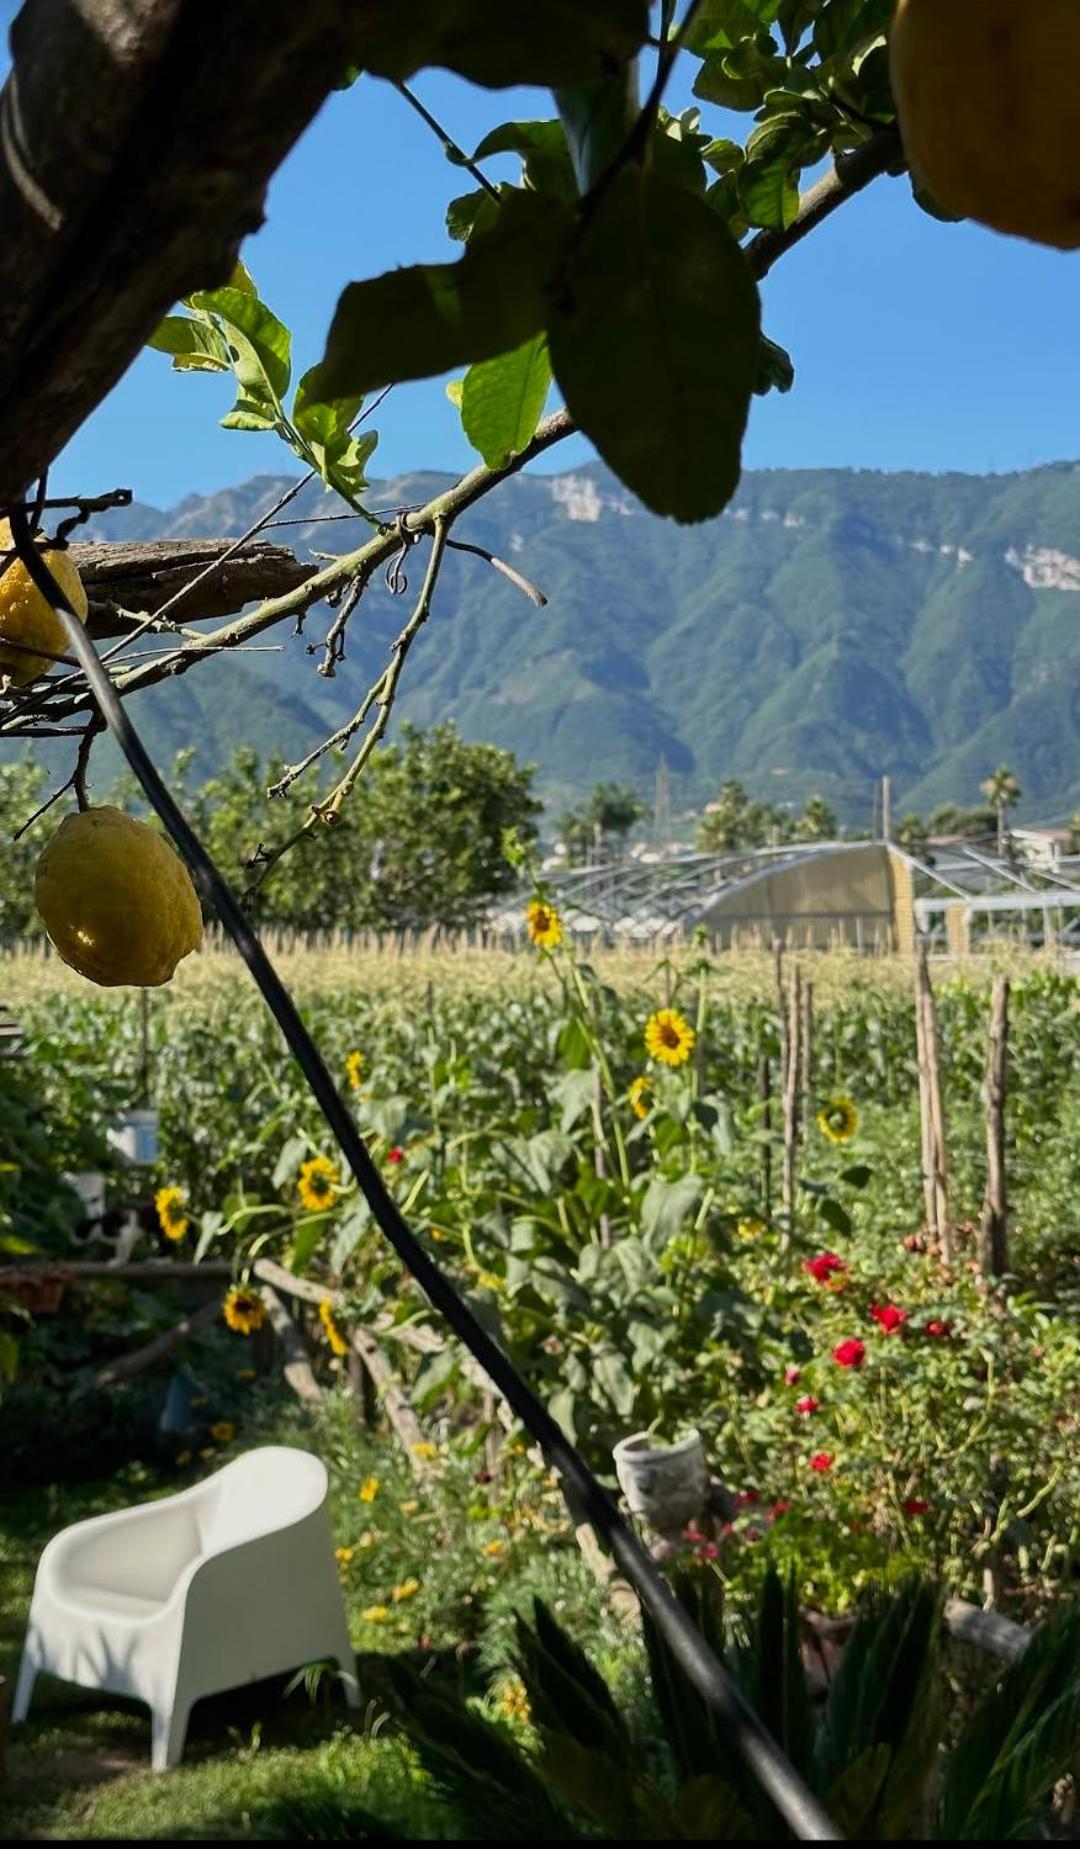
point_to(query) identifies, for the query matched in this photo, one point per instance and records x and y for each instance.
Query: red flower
(915, 1506)
(778, 1509)
(708, 1551)
(889, 1316)
(425, 1643)
(939, 1329)
(851, 1353)
(690, 1533)
(822, 1461)
(395, 1155)
(822, 1267)
(807, 1405)
(791, 1376)
(745, 1496)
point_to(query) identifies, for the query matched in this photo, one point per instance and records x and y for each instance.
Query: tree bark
(137, 138)
(141, 575)
(994, 1238)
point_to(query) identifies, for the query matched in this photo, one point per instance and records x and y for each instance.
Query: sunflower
(333, 1334)
(543, 925)
(318, 1179)
(170, 1211)
(641, 1095)
(838, 1120)
(244, 1310)
(354, 1069)
(669, 1037)
(514, 1701)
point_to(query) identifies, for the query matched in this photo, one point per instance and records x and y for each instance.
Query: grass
(262, 1762)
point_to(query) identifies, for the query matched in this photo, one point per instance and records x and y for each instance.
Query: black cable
(793, 1799)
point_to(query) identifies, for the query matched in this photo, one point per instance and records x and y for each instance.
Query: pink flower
(915, 1506)
(822, 1267)
(889, 1316)
(708, 1550)
(691, 1533)
(938, 1329)
(425, 1643)
(807, 1405)
(395, 1155)
(792, 1376)
(822, 1461)
(851, 1353)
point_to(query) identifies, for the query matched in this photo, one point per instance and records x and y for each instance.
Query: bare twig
(523, 584)
(450, 147)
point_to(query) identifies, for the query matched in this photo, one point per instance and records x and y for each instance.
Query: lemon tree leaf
(195, 345)
(663, 385)
(513, 42)
(502, 400)
(413, 322)
(260, 344)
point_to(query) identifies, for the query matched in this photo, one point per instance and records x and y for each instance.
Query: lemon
(117, 900)
(986, 94)
(27, 618)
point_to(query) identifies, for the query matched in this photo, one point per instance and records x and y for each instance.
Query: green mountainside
(830, 627)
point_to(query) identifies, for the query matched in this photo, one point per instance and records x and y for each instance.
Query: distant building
(1041, 847)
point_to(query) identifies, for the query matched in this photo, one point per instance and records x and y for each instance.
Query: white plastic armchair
(230, 1581)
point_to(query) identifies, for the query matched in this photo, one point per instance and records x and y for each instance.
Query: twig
(82, 761)
(450, 147)
(381, 695)
(523, 584)
(156, 1350)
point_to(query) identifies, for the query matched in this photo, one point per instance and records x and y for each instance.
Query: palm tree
(1002, 791)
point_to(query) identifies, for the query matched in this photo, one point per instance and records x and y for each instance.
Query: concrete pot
(664, 1485)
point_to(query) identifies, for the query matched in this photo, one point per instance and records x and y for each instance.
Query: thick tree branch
(851, 174)
(122, 576)
(137, 138)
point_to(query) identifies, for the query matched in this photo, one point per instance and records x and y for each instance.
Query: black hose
(793, 1799)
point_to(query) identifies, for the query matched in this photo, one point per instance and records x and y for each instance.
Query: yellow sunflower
(333, 1334)
(354, 1069)
(641, 1095)
(170, 1211)
(318, 1179)
(838, 1120)
(544, 925)
(514, 1701)
(669, 1037)
(244, 1311)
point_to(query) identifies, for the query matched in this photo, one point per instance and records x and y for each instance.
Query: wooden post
(994, 1242)
(297, 1367)
(806, 1056)
(791, 1098)
(765, 1094)
(935, 1158)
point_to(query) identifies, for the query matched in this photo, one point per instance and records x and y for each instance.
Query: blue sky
(916, 344)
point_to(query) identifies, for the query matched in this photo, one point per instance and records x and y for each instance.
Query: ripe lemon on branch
(117, 900)
(986, 92)
(28, 619)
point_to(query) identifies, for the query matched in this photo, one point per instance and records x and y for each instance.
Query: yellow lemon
(117, 900)
(28, 619)
(986, 93)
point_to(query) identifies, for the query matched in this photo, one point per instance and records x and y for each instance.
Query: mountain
(832, 625)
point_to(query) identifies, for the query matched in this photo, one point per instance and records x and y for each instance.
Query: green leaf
(858, 1175)
(511, 43)
(318, 420)
(663, 386)
(575, 1091)
(261, 343)
(9, 1356)
(502, 400)
(546, 162)
(306, 1239)
(775, 371)
(411, 323)
(615, 1380)
(667, 1204)
(838, 1218)
(349, 1235)
(471, 212)
(196, 346)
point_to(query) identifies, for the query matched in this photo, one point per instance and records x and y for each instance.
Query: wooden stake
(994, 1241)
(297, 1369)
(806, 1056)
(765, 1094)
(791, 1099)
(937, 1119)
(925, 1126)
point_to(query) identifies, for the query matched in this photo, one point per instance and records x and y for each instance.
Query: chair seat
(105, 1603)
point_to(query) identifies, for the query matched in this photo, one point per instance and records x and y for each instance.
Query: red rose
(807, 1405)
(778, 1509)
(915, 1506)
(746, 1496)
(395, 1154)
(822, 1461)
(822, 1267)
(938, 1329)
(851, 1353)
(889, 1316)
(791, 1376)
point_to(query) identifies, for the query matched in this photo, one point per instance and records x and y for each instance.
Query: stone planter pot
(664, 1485)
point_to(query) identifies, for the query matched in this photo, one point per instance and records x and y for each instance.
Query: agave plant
(873, 1751)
